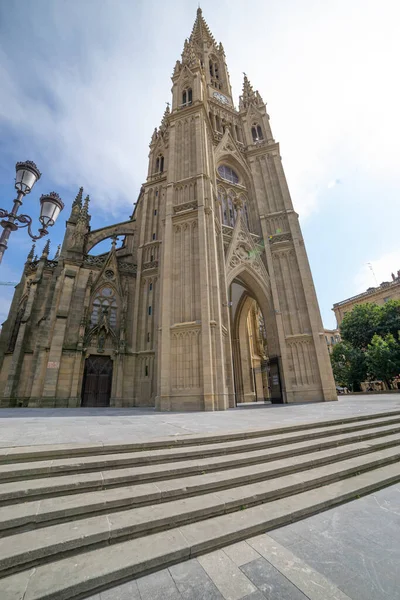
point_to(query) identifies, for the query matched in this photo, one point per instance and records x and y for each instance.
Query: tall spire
(31, 254)
(76, 206)
(78, 199)
(249, 96)
(84, 216)
(201, 32)
(46, 249)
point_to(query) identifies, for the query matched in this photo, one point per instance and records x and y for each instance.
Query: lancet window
(257, 133)
(232, 205)
(214, 73)
(232, 197)
(104, 306)
(187, 97)
(160, 164)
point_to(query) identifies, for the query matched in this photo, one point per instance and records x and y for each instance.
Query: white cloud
(325, 69)
(382, 267)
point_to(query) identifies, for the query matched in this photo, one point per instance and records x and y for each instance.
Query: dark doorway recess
(97, 378)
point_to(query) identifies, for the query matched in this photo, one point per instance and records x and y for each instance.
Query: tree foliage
(383, 357)
(371, 345)
(360, 325)
(348, 365)
(366, 320)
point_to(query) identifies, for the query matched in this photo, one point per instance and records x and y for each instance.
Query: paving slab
(241, 553)
(21, 426)
(126, 591)
(193, 582)
(228, 578)
(270, 581)
(157, 586)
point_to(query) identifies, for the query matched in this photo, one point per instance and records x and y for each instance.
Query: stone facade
(213, 239)
(332, 337)
(387, 290)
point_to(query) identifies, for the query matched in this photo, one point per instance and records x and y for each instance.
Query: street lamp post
(51, 205)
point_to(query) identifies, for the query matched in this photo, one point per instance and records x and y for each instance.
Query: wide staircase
(77, 519)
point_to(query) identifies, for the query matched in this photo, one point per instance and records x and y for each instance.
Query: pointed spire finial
(164, 121)
(57, 254)
(201, 32)
(84, 213)
(249, 96)
(114, 241)
(78, 199)
(46, 249)
(31, 253)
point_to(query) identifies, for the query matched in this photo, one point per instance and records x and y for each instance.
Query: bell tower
(225, 222)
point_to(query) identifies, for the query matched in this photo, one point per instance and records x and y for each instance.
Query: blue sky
(84, 83)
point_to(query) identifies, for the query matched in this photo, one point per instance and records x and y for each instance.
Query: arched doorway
(97, 380)
(255, 348)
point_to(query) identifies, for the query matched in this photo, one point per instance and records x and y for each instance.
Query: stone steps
(36, 453)
(14, 491)
(40, 513)
(57, 467)
(25, 549)
(67, 536)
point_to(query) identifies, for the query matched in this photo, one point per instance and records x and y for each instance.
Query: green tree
(383, 357)
(360, 325)
(389, 321)
(348, 365)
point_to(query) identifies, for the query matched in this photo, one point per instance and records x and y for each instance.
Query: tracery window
(104, 303)
(228, 174)
(232, 205)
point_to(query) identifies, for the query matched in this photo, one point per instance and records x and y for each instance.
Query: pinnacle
(249, 96)
(31, 253)
(46, 248)
(84, 213)
(201, 32)
(57, 254)
(78, 199)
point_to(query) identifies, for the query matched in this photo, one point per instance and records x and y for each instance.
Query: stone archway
(256, 358)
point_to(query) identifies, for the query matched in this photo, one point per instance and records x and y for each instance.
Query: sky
(83, 83)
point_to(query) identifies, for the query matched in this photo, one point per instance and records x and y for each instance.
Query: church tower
(209, 300)
(217, 197)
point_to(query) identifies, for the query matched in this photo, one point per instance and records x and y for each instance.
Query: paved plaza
(24, 426)
(351, 552)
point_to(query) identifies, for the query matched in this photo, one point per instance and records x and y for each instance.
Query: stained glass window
(104, 302)
(228, 174)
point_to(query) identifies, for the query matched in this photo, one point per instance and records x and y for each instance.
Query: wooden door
(97, 379)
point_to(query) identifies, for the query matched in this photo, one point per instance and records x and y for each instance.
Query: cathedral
(209, 300)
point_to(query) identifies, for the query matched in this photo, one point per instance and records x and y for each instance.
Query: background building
(332, 337)
(169, 318)
(387, 290)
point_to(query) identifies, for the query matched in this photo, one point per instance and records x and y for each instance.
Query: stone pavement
(351, 552)
(23, 426)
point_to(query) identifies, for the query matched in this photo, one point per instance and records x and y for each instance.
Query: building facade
(332, 337)
(387, 290)
(213, 247)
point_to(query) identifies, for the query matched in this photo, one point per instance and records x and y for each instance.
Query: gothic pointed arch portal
(256, 356)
